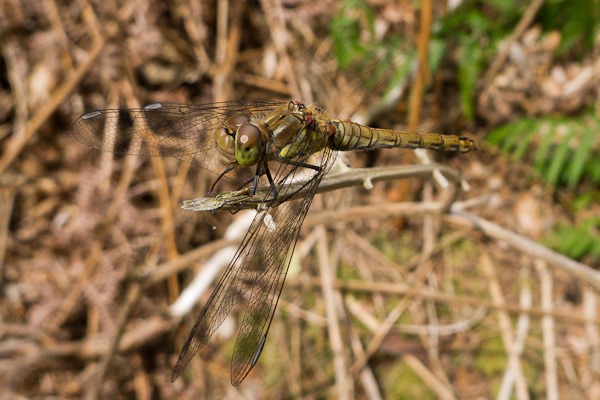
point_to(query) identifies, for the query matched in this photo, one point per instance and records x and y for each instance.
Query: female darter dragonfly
(247, 144)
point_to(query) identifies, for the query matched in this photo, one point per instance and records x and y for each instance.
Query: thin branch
(351, 177)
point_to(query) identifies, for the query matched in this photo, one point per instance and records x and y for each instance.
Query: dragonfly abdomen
(352, 136)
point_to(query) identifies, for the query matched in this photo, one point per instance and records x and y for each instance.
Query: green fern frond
(564, 148)
(578, 241)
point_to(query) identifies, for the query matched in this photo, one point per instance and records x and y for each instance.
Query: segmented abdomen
(352, 136)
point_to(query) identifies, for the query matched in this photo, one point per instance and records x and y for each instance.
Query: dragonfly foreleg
(286, 194)
(260, 171)
(264, 169)
(221, 175)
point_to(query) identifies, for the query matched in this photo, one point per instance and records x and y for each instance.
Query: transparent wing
(270, 260)
(165, 129)
(260, 265)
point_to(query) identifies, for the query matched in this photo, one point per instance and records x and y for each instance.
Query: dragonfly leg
(221, 175)
(271, 182)
(288, 195)
(299, 164)
(254, 181)
(263, 169)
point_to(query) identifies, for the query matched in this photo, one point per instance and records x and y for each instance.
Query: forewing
(266, 266)
(228, 292)
(165, 129)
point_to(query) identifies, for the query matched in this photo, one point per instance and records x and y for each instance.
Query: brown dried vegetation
(94, 247)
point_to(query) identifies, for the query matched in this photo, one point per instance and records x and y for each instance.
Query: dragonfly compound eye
(235, 121)
(225, 136)
(248, 145)
(226, 142)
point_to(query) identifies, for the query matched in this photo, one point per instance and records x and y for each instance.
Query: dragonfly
(247, 144)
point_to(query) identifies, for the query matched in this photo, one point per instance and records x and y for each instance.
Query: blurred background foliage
(562, 145)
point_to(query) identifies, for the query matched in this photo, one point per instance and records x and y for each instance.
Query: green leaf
(437, 50)
(576, 20)
(525, 139)
(579, 241)
(581, 246)
(520, 129)
(580, 158)
(468, 71)
(346, 28)
(593, 169)
(515, 137)
(542, 153)
(584, 200)
(503, 6)
(558, 160)
(498, 135)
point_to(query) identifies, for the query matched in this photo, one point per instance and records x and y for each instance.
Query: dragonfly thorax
(292, 131)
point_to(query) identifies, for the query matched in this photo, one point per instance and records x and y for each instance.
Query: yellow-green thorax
(296, 131)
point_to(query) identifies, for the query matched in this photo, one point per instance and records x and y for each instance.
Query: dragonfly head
(239, 141)
(248, 145)
(226, 136)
